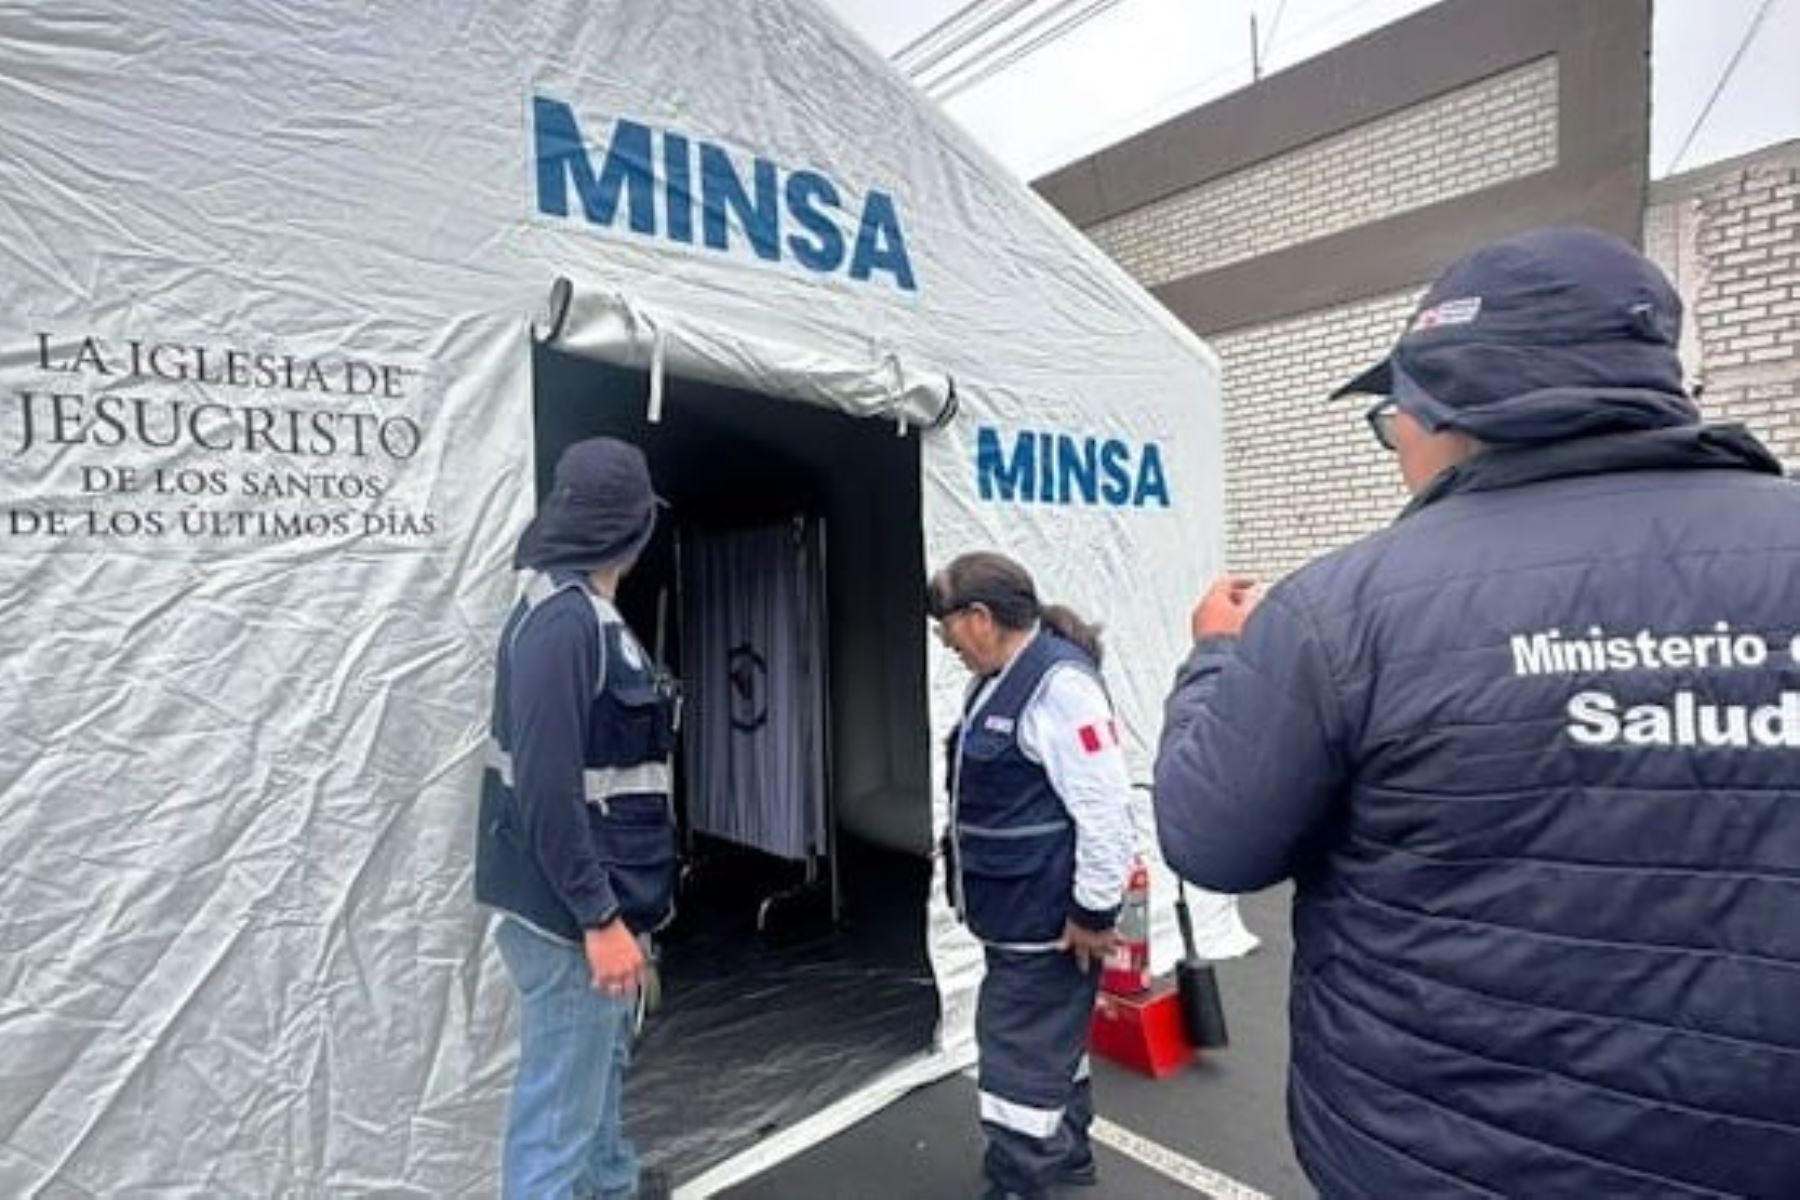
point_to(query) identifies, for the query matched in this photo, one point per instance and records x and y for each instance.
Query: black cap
(601, 510)
(1551, 334)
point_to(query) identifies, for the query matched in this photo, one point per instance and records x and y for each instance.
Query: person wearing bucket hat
(1530, 756)
(600, 512)
(576, 845)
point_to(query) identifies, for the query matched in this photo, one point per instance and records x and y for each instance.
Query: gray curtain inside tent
(755, 668)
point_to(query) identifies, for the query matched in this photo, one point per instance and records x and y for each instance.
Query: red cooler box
(1143, 1032)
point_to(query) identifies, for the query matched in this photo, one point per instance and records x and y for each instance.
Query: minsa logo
(669, 183)
(1059, 468)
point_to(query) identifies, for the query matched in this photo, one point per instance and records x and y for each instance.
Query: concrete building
(1296, 222)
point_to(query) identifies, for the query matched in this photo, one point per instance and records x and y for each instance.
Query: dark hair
(1005, 589)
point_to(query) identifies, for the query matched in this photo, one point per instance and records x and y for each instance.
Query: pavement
(1217, 1129)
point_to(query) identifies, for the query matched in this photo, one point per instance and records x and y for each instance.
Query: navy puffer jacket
(1532, 756)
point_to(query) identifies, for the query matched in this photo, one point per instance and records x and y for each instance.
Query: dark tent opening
(796, 968)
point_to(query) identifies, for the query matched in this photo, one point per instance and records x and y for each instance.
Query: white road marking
(1170, 1164)
(828, 1122)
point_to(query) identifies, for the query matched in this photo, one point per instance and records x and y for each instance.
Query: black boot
(1079, 1170)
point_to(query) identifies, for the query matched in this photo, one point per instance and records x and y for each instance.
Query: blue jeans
(563, 1135)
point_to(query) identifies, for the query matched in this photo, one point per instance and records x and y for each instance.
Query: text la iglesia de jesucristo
(112, 419)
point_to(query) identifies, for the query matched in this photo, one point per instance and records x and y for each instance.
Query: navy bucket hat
(1552, 334)
(601, 510)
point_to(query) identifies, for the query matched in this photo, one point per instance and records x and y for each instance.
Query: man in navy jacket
(1532, 758)
(576, 847)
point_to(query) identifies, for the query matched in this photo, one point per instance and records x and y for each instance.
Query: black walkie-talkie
(1202, 1008)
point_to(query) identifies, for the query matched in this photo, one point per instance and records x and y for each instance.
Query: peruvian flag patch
(1098, 736)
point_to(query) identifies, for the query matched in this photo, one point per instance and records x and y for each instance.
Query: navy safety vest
(1013, 866)
(630, 736)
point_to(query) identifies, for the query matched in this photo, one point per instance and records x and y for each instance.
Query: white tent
(271, 416)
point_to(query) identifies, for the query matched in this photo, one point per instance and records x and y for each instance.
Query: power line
(997, 60)
(981, 39)
(1198, 91)
(1259, 46)
(1724, 78)
(1032, 16)
(920, 54)
(898, 57)
(1269, 38)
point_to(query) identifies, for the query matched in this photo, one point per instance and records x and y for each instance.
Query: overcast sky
(1137, 62)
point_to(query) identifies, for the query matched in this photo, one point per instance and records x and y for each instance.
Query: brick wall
(1498, 129)
(1729, 235)
(1303, 476)
(1303, 473)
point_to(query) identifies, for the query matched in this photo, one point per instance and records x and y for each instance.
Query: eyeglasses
(943, 619)
(1381, 416)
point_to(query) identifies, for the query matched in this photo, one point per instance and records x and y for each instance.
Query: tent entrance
(784, 587)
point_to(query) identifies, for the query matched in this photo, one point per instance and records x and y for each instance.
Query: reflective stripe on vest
(598, 784)
(539, 587)
(1012, 831)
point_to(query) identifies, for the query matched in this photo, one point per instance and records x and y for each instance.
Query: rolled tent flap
(611, 327)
